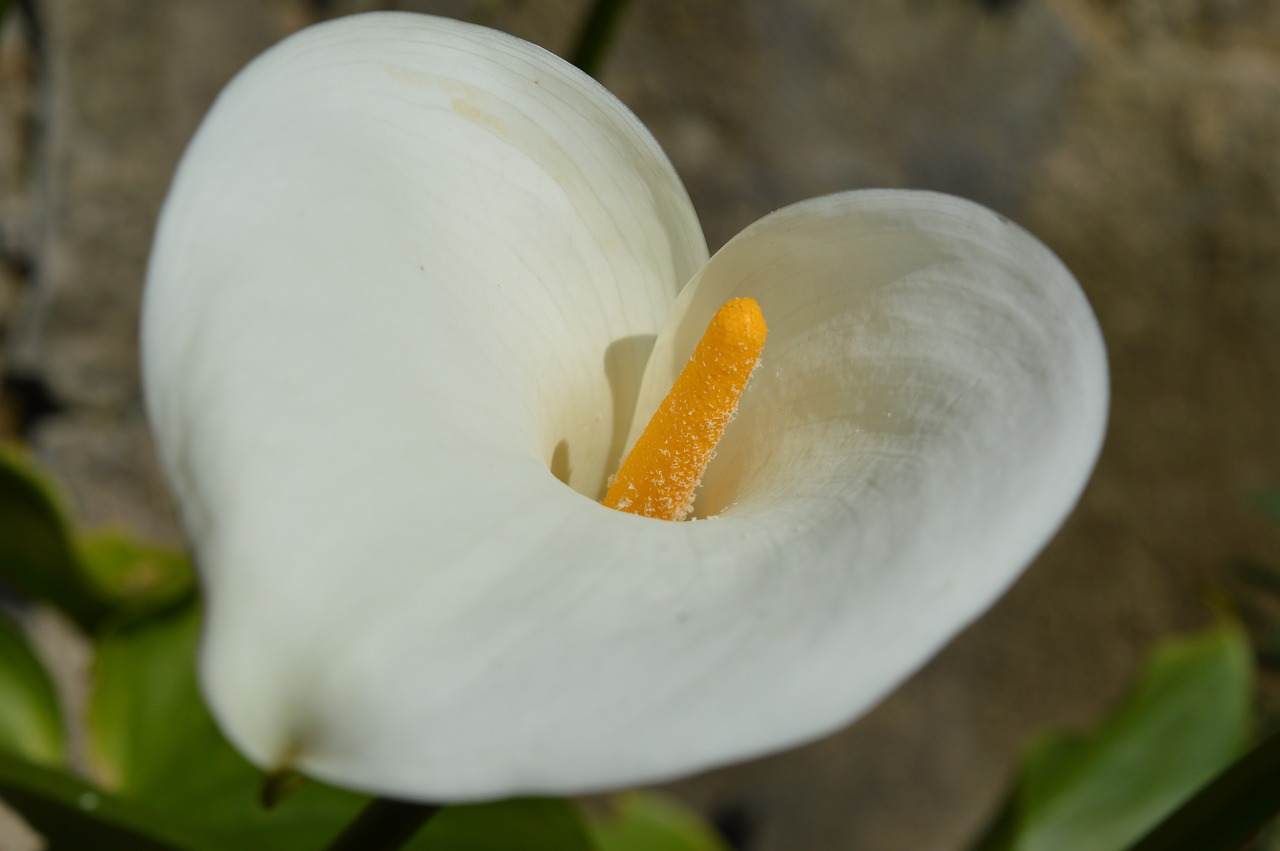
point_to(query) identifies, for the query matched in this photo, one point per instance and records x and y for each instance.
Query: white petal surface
(397, 170)
(376, 316)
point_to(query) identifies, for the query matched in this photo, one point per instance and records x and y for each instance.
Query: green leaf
(71, 814)
(1186, 720)
(152, 741)
(30, 720)
(99, 580)
(135, 578)
(526, 824)
(647, 821)
(37, 555)
(1226, 813)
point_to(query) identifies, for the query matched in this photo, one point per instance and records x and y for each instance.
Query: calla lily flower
(417, 286)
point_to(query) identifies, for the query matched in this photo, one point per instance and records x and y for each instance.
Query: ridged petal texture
(404, 288)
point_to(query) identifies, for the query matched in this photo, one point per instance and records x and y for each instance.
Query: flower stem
(1223, 815)
(384, 825)
(597, 30)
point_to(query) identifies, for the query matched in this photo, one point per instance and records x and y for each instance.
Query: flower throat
(660, 474)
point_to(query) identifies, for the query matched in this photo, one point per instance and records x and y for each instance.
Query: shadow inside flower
(560, 461)
(624, 362)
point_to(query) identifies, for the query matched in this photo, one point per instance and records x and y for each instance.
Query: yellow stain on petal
(665, 466)
(466, 100)
(471, 111)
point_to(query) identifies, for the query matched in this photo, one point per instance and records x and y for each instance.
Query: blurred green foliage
(37, 551)
(643, 821)
(30, 718)
(1187, 719)
(97, 581)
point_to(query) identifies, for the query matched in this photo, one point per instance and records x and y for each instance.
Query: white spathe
(409, 267)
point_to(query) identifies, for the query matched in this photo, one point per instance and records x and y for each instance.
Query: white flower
(410, 267)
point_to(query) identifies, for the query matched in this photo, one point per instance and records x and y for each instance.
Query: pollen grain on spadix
(663, 469)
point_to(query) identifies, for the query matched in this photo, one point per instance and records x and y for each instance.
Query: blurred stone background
(1140, 139)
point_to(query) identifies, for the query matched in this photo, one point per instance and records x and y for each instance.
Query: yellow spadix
(664, 467)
